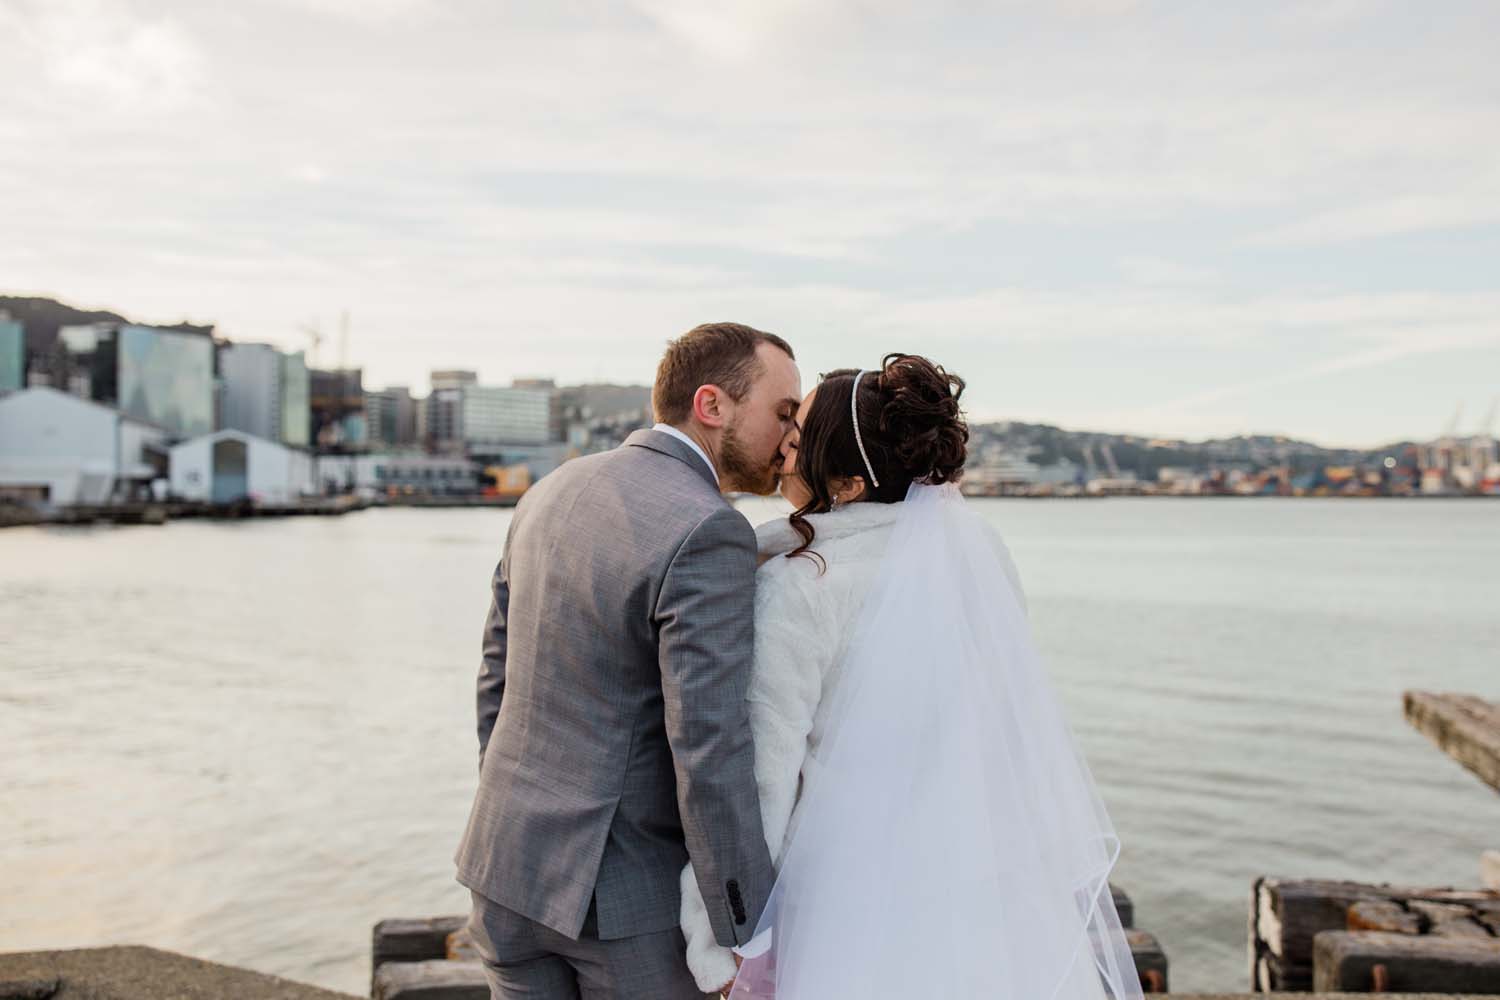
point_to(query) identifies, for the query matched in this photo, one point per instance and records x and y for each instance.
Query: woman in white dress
(935, 832)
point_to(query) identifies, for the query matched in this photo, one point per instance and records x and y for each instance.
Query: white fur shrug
(803, 621)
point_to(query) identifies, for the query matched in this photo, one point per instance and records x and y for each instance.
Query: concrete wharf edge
(138, 973)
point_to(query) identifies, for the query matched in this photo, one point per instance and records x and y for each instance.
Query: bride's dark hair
(912, 428)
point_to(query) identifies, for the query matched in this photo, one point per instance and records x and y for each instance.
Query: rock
(1383, 915)
(435, 979)
(1346, 961)
(460, 946)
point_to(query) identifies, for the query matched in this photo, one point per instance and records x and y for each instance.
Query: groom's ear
(709, 406)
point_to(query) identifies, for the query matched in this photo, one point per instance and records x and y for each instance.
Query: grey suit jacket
(613, 732)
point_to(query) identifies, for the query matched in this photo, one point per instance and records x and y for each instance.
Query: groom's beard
(744, 473)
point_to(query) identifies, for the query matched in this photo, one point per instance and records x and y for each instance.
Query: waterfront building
(538, 459)
(443, 419)
(392, 417)
(12, 354)
(405, 473)
(453, 378)
(296, 392)
(265, 393)
(337, 405)
(57, 450)
(160, 377)
(498, 415)
(231, 466)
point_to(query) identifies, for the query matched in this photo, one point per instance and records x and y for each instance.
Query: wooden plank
(1123, 906)
(1150, 960)
(1385, 915)
(1345, 961)
(437, 979)
(405, 939)
(1289, 912)
(460, 946)
(1465, 727)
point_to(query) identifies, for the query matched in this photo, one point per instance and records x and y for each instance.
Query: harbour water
(249, 741)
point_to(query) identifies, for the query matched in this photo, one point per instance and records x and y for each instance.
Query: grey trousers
(524, 959)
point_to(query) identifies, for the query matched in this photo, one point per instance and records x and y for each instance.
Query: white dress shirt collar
(669, 429)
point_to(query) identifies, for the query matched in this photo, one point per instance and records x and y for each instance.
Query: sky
(1176, 219)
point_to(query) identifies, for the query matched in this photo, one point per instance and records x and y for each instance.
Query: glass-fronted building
(165, 377)
(12, 354)
(296, 416)
(495, 415)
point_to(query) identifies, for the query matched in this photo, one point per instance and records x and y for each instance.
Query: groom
(613, 736)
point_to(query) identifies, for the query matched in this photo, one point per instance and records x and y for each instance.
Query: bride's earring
(835, 505)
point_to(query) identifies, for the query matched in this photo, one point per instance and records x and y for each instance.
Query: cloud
(575, 181)
(104, 51)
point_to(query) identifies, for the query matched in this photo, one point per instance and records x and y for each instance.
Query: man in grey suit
(613, 735)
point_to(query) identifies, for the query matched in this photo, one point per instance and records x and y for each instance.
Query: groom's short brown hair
(721, 354)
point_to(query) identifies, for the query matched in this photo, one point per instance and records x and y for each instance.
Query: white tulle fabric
(949, 841)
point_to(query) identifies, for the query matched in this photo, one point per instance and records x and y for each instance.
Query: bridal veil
(950, 841)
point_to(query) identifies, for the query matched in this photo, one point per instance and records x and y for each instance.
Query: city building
(337, 404)
(230, 466)
(378, 475)
(392, 417)
(443, 420)
(265, 393)
(12, 354)
(160, 377)
(496, 415)
(296, 395)
(453, 378)
(57, 450)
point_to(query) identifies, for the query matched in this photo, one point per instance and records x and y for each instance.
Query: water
(250, 741)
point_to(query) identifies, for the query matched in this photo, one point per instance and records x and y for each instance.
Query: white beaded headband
(858, 439)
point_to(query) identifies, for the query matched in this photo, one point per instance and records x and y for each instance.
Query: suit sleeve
(794, 649)
(704, 618)
(491, 686)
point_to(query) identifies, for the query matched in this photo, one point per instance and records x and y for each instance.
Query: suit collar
(666, 444)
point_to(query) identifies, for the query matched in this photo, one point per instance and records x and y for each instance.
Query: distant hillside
(604, 401)
(42, 317)
(1045, 444)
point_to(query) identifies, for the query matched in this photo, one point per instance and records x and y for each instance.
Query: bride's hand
(724, 990)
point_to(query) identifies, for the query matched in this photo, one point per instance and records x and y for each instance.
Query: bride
(935, 830)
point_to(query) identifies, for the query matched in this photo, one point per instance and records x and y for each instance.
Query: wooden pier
(433, 958)
(1463, 726)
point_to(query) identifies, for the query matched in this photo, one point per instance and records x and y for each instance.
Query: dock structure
(1324, 935)
(1465, 727)
(433, 958)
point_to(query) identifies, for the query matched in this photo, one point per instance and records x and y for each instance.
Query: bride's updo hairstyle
(911, 424)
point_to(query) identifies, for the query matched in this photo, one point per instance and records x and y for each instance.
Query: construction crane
(314, 337)
(344, 340)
